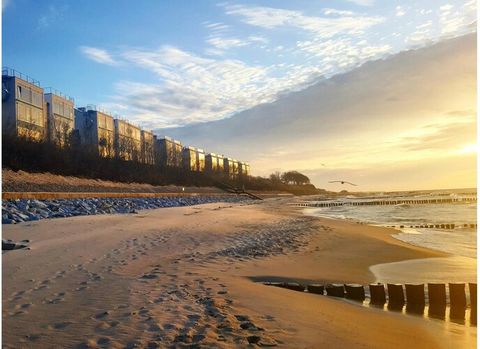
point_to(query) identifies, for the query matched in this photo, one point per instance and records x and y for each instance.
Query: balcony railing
(99, 109)
(6, 71)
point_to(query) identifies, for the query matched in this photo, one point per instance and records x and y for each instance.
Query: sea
(415, 224)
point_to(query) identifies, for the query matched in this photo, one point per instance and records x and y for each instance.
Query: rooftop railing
(125, 120)
(58, 93)
(6, 71)
(94, 107)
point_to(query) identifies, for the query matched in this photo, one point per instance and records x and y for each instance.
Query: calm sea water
(461, 242)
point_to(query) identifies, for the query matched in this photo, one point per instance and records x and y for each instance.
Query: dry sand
(21, 181)
(181, 277)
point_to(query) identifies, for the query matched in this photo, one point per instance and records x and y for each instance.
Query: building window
(24, 94)
(36, 117)
(37, 99)
(21, 112)
(101, 121)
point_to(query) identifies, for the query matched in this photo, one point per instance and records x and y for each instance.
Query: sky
(178, 67)
(403, 123)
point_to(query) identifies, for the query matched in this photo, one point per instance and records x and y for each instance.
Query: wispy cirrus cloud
(332, 11)
(98, 55)
(52, 14)
(453, 19)
(362, 2)
(220, 41)
(226, 43)
(342, 53)
(270, 18)
(422, 33)
(400, 11)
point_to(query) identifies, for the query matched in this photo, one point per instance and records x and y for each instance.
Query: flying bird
(342, 182)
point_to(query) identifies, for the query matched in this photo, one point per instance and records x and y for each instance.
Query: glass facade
(200, 161)
(60, 116)
(105, 132)
(127, 141)
(27, 118)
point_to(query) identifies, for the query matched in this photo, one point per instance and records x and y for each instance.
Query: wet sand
(443, 270)
(182, 277)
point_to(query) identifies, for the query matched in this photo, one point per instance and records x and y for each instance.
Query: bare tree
(276, 177)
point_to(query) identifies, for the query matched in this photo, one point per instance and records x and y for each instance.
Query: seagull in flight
(342, 182)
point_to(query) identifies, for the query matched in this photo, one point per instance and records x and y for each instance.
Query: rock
(38, 203)
(253, 339)
(267, 342)
(22, 216)
(247, 325)
(7, 221)
(8, 245)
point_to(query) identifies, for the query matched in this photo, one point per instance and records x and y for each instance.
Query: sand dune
(181, 277)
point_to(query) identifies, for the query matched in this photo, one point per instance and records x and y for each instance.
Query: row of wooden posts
(412, 294)
(439, 226)
(386, 202)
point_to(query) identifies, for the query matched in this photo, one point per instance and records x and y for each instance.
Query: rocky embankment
(23, 210)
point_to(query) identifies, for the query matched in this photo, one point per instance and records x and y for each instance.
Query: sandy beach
(184, 277)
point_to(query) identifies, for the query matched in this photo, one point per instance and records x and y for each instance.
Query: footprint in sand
(17, 295)
(23, 306)
(89, 344)
(41, 287)
(149, 276)
(114, 323)
(103, 341)
(154, 328)
(33, 337)
(102, 327)
(60, 274)
(101, 315)
(53, 300)
(61, 325)
(269, 318)
(193, 317)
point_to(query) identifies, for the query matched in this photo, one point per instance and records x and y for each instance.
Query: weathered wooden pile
(412, 295)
